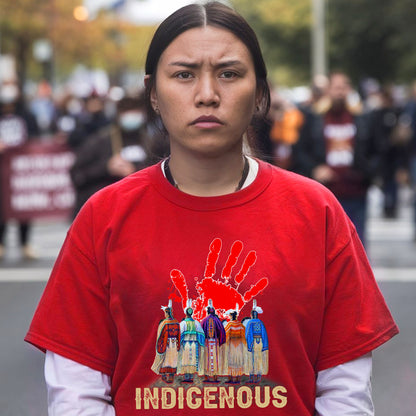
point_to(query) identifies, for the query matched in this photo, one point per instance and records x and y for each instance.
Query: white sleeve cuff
(74, 389)
(345, 390)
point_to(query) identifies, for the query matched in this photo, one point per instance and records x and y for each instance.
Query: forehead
(206, 44)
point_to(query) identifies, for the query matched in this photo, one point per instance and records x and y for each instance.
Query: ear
(259, 97)
(149, 83)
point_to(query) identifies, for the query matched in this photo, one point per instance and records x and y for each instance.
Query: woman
(191, 353)
(210, 223)
(215, 337)
(235, 363)
(257, 345)
(167, 346)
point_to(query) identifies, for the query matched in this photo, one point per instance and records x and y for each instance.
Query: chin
(215, 150)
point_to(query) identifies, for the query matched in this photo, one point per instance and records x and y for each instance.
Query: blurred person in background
(17, 126)
(319, 93)
(390, 130)
(410, 112)
(42, 106)
(287, 121)
(336, 149)
(273, 138)
(68, 112)
(112, 153)
(90, 120)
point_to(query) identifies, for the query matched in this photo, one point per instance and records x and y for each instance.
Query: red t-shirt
(283, 241)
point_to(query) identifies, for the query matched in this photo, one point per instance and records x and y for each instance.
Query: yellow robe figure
(235, 350)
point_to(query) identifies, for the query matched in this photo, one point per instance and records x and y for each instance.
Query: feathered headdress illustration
(256, 308)
(236, 310)
(169, 305)
(188, 305)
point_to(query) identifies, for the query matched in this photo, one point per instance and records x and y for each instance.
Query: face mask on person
(131, 120)
(9, 94)
(74, 106)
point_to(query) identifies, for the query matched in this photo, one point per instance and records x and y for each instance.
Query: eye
(228, 74)
(183, 75)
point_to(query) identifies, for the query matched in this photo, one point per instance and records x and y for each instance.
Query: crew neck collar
(212, 203)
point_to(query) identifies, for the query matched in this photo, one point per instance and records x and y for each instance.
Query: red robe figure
(167, 346)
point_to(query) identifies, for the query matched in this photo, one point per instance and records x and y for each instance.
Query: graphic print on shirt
(224, 290)
(212, 358)
(340, 144)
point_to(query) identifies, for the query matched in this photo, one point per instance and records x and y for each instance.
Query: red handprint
(224, 291)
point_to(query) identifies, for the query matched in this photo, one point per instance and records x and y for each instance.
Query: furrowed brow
(194, 65)
(226, 64)
(190, 65)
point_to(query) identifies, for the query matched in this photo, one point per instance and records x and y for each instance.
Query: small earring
(156, 109)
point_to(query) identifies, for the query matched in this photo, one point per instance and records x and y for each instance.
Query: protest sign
(36, 181)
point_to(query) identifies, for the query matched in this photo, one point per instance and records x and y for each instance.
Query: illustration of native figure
(191, 353)
(167, 346)
(257, 345)
(235, 354)
(214, 338)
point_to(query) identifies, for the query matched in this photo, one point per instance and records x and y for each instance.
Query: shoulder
(294, 186)
(304, 200)
(125, 189)
(113, 204)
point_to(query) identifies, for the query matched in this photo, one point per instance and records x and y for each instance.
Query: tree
(283, 30)
(105, 42)
(376, 38)
(365, 38)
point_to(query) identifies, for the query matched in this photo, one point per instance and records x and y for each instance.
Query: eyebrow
(194, 65)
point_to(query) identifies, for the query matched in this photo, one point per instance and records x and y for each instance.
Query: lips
(207, 121)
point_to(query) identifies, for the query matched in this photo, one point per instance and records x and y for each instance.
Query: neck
(202, 176)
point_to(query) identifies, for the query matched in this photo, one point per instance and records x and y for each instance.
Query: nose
(207, 93)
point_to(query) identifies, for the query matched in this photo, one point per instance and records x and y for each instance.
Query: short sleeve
(356, 319)
(73, 317)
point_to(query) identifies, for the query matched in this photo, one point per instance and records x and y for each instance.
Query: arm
(345, 389)
(309, 151)
(75, 387)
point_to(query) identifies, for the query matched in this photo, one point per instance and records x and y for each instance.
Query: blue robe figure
(257, 345)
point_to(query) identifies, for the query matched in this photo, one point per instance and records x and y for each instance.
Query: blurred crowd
(108, 134)
(344, 137)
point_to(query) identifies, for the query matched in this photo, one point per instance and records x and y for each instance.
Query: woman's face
(205, 91)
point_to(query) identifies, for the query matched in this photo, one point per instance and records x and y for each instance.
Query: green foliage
(364, 37)
(284, 34)
(105, 42)
(374, 38)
